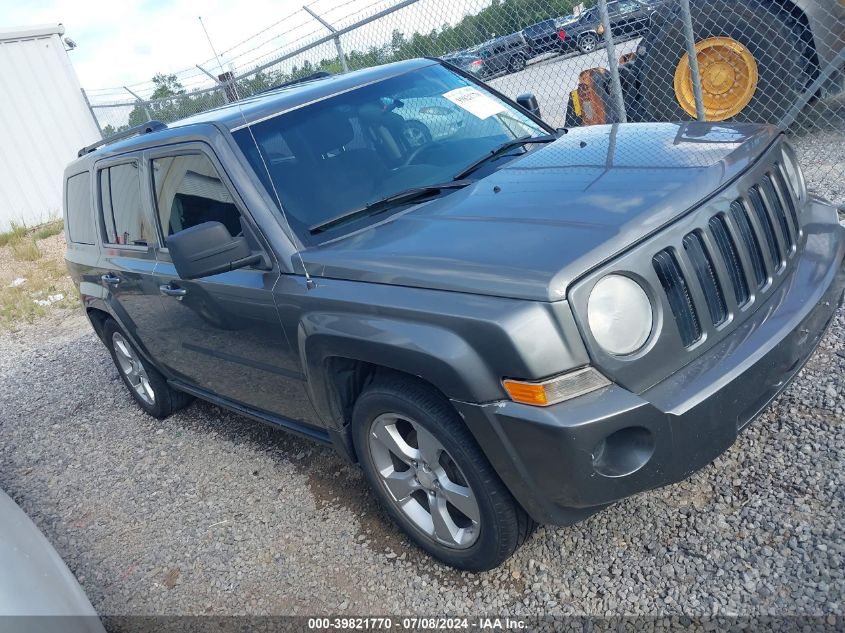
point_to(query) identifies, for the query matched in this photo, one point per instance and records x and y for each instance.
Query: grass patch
(15, 233)
(33, 276)
(25, 250)
(49, 229)
(47, 286)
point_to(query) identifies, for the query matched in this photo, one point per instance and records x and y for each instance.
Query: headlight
(619, 314)
(794, 174)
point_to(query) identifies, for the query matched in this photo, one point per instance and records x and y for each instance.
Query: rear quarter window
(80, 221)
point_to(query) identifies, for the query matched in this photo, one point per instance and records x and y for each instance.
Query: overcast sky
(127, 41)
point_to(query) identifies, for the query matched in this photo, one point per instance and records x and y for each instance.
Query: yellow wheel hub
(728, 78)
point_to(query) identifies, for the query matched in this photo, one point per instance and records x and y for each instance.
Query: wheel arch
(342, 355)
(98, 317)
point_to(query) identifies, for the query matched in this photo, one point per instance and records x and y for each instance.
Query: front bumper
(565, 462)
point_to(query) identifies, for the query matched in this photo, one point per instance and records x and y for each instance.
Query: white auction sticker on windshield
(475, 102)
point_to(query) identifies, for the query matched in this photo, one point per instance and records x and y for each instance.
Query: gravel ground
(208, 512)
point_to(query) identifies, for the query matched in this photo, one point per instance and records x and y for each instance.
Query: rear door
(224, 333)
(129, 239)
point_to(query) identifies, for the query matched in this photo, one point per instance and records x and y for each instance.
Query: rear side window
(189, 191)
(80, 220)
(124, 221)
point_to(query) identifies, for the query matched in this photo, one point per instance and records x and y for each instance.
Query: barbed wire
(192, 78)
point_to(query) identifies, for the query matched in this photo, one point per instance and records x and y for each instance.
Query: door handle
(172, 291)
(110, 279)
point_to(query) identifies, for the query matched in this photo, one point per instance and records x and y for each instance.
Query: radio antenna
(309, 282)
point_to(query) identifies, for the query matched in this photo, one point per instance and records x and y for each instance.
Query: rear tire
(145, 383)
(417, 484)
(587, 43)
(769, 36)
(517, 63)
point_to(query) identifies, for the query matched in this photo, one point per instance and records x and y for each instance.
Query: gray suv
(504, 324)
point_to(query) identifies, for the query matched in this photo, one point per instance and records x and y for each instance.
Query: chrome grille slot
(739, 214)
(765, 221)
(727, 249)
(703, 266)
(677, 292)
(787, 192)
(776, 209)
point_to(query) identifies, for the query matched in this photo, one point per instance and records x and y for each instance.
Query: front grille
(704, 271)
(727, 249)
(677, 292)
(739, 251)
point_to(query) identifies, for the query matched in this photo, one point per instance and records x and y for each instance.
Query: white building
(44, 121)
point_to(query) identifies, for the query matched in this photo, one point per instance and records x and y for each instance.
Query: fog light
(554, 390)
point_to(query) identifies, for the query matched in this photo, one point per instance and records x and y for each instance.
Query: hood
(531, 228)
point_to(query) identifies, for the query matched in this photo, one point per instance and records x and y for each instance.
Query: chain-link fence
(775, 61)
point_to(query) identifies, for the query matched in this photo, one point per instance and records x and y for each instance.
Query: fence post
(91, 110)
(686, 16)
(336, 38)
(142, 102)
(613, 63)
(218, 81)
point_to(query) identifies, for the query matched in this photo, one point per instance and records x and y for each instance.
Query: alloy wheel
(415, 136)
(423, 481)
(132, 368)
(588, 44)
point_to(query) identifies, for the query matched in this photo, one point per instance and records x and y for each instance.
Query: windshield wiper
(393, 200)
(505, 147)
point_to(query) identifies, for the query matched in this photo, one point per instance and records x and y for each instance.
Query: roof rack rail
(320, 74)
(144, 128)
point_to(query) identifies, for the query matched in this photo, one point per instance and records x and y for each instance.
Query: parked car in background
(628, 18)
(35, 584)
(428, 119)
(468, 62)
(502, 55)
(506, 325)
(542, 38)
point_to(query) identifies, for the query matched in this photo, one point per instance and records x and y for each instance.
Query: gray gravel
(207, 512)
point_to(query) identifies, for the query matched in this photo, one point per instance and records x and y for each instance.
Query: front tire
(745, 30)
(145, 383)
(429, 473)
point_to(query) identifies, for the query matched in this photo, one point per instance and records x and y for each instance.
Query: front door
(224, 331)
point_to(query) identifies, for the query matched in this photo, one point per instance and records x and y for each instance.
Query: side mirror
(529, 103)
(208, 249)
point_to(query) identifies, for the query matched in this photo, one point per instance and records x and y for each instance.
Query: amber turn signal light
(554, 390)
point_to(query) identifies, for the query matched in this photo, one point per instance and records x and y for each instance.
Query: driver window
(189, 191)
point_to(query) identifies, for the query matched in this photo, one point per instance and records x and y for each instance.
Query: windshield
(345, 152)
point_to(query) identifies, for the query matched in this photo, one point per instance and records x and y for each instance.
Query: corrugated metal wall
(44, 120)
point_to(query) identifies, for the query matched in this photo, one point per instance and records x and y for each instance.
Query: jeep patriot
(502, 323)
